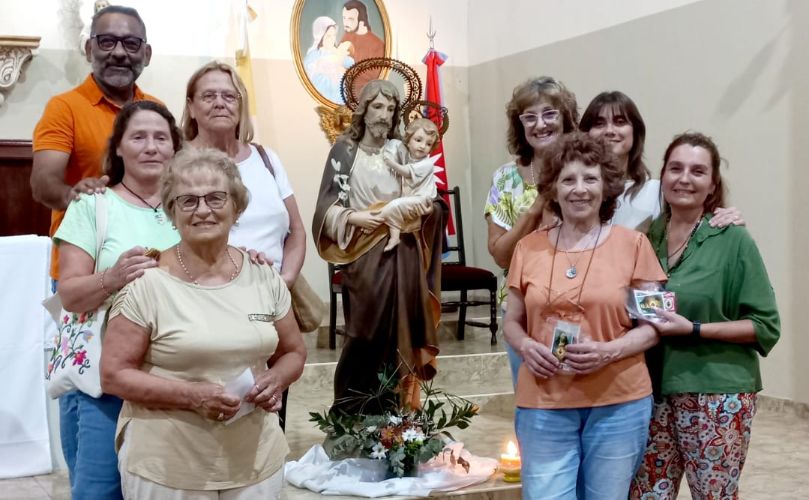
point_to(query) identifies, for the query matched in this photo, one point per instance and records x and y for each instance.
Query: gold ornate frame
(294, 31)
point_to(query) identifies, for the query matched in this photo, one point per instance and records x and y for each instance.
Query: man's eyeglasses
(131, 44)
(229, 97)
(189, 202)
(530, 120)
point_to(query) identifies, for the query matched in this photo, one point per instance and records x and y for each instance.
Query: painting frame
(303, 32)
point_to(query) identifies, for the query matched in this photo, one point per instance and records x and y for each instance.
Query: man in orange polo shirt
(71, 136)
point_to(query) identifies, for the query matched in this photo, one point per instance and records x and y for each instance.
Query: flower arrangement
(402, 436)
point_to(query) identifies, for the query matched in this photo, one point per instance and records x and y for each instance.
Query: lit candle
(510, 463)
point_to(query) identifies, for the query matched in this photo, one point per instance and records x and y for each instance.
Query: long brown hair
(370, 92)
(621, 104)
(113, 164)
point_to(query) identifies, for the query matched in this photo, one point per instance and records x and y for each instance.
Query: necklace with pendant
(684, 244)
(571, 271)
(159, 215)
(192, 279)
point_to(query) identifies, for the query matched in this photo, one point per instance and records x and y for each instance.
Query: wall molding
(13, 149)
(14, 52)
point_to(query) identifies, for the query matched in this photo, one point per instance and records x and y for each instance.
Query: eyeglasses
(131, 44)
(189, 202)
(530, 120)
(229, 97)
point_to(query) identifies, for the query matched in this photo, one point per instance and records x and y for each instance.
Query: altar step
(471, 368)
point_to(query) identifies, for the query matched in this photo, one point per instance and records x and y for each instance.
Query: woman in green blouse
(726, 318)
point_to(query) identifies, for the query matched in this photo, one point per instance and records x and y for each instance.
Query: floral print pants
(704, 436)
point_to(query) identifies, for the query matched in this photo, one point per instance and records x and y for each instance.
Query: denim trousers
(87, 428)
(514, 363)
(582, 453)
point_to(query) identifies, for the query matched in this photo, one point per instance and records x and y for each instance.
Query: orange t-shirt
(78, 122)
(625, 255)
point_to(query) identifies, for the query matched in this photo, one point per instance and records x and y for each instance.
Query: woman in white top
(614, 117)
(216, 116)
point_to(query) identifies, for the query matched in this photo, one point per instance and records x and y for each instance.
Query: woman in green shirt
(709, 350)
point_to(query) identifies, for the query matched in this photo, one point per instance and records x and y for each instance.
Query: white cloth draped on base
(365, 477)
(24, 440)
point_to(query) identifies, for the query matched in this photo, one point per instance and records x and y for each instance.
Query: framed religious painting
(330, 36)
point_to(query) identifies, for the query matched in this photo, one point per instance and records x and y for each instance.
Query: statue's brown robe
(392, 298)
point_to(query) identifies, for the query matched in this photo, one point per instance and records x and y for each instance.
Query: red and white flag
(432, 92)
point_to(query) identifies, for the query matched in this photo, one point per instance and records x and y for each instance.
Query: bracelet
(695, 330)
(101, 282)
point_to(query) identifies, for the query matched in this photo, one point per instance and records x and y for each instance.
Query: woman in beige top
(187, 347)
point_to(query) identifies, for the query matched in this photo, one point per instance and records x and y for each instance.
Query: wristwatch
(696, 329)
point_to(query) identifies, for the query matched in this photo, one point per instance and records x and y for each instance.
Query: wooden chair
(335, 288)
(456, 276)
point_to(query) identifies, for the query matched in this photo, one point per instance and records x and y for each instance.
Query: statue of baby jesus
(418, 182)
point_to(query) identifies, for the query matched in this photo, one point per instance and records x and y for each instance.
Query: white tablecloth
(364, 477)
(25, 448)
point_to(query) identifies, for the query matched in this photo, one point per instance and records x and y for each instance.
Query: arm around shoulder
(48, 179)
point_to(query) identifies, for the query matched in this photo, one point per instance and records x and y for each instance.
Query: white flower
(395, 420)
(342, 182)
(378, 452)
(412, 434)
(342, 196)
(370, 428)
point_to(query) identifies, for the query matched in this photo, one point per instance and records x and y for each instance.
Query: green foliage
(404, 436)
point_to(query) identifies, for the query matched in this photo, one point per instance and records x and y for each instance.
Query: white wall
(185, 34)
(733, 68)
(504, 28)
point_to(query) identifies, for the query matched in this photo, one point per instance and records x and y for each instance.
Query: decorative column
(14, 51)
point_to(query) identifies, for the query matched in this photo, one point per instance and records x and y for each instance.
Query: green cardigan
(720, 277)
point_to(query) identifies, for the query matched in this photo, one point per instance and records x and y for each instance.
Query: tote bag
(75, 351)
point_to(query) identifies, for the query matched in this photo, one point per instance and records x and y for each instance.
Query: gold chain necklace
(190, 277)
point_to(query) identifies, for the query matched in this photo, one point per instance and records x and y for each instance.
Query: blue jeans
(87, 427)
(514, 362)
(582, 453)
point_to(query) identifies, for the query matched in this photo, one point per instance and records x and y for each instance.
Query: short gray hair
(212, 160)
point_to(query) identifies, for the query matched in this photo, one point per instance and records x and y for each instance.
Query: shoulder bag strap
(264, 157)
(101, 224)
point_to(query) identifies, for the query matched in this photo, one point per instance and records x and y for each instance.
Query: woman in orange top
(583, 391)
